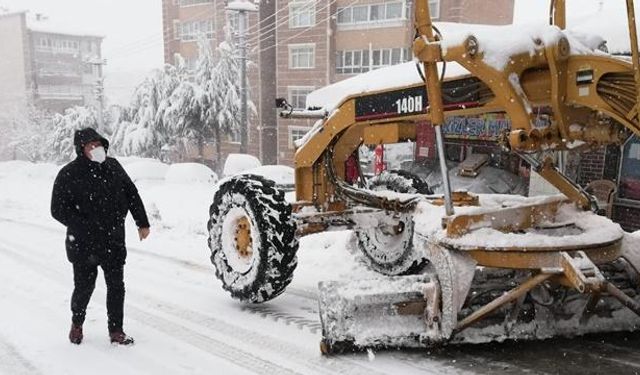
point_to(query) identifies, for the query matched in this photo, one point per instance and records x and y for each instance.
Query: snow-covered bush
(189, 173)
(237, 163)
(146, 170)
(280, 174)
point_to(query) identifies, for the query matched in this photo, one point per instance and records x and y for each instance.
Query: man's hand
(143, 233)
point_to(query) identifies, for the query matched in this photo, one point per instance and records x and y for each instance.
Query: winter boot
(120, 338)
(75, 334)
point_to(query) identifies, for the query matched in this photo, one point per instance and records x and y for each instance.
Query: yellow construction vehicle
(454, 267)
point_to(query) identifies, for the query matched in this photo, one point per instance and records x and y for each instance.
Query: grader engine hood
(411, 101)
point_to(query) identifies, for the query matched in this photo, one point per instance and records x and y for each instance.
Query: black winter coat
(92, 201)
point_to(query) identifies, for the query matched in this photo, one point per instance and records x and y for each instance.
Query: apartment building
(48, 67)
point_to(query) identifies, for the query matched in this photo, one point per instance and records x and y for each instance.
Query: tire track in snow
(221, 348)
(262, 310)
(310, 360)
(12, 362)
(277, 315)
(217, 348)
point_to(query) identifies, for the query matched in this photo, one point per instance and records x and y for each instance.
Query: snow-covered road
(184, 323)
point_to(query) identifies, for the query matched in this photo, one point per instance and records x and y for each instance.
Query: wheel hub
(243, 240)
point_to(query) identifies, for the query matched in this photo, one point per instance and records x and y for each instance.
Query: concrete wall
(14, 68)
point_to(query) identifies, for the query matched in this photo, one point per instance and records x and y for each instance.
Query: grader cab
(454, 267)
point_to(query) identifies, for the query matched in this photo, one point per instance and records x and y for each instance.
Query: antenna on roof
(41, 17)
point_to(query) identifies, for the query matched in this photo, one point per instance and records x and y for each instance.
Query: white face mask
(98, 154)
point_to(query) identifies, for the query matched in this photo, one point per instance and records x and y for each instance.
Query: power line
(306, 29)
(277, 23)
(250, 29)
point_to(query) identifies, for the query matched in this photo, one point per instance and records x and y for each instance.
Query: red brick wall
(591, 166)
(317, 77)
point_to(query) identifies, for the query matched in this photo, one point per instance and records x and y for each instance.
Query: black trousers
(84, 279)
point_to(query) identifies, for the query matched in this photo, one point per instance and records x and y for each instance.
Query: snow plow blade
(393, 311)
(444, 305)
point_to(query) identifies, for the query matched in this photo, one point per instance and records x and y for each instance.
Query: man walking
(91, 197)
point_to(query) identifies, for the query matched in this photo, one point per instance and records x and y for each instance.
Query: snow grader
(454, 267)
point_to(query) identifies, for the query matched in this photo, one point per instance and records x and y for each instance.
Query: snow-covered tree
(221, 86)
(28, 134)
(62, 128)
(171, 107)
(142, 130)
(182, 114)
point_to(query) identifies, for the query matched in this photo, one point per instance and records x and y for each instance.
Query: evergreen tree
(142, 130)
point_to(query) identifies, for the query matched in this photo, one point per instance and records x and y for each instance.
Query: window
(302, 56)
(396, 56)
(47, 44)
(630, 170)
(296, 133)
(345, 15)
(374, 13)
(348, 62)
(186, 3)
(434, 8)
(394, 11)
(360, 14)
(176, 29)
(190, 63)
(298, 96)
(360, 61)
(192, 30)
(377, 12)
(233, 21)
(234, 136)
(302, 14)
(60, 91)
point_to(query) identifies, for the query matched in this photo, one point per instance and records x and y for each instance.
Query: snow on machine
(456, 267)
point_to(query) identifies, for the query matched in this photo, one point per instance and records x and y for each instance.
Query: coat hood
(87, 135)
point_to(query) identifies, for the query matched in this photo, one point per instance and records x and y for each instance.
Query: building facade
(297, 46)
(49, 68)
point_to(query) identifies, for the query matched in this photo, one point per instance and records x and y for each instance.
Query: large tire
(252, 238)
(392, 253)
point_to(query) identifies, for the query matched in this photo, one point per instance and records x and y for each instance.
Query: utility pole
(242, 7)
(98, 90)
